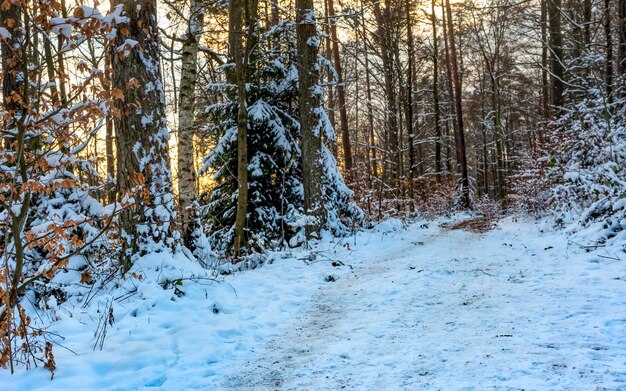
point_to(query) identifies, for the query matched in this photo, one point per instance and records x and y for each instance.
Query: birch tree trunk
(186, 129)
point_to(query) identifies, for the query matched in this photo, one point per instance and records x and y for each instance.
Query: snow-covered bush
(587, 160)
(48, 216)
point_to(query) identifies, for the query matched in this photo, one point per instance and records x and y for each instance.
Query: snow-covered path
(454, 310)
(421, 307)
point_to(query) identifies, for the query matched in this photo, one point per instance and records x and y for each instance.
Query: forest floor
(435, 305)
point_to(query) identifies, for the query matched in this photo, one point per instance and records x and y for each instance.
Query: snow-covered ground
(411, 308)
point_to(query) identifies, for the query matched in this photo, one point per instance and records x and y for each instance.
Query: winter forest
(313, 195)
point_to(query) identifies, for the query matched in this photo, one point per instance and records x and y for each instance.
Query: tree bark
(545, 87)
(186, 129)
(409, 107)
(341, 94)
(449, 85)
(331, 81)
(556, 53)
(310, 101)
(109, 141)
(460, 134)
(392, 159)
(12, 53)
(437, 116)
(622, 37)
(587, 8)
(372, 159)
(142, 136)
(241, 38)
(609, 51)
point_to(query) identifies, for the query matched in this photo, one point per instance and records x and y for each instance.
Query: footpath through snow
(421, 307)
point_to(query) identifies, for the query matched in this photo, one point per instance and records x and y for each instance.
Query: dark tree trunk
(332, 107)
(460, 134)
(545, 87)
(142, 136)
(310, 102)
(609, 51)
(409, 107)
(556, 52)
(12, 54)
(341, 94)
(437, 110)
(392, 161)
(242, 40)
(622, 37)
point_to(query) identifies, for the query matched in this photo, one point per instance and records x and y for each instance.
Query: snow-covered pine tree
(589, 150)
(273, 151)
(588, 147)
(275, 210)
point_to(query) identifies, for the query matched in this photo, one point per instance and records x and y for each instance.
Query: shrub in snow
(49, 219)
(587, 162)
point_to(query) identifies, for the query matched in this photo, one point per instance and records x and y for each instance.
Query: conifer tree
(276, 214)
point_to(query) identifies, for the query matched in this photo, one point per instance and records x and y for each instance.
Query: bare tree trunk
(110, 158)
(450, 88)
(545, 93)
(460, 134)
(556, 52)
(310, 101)
(622, 37)
(609, 51)
(341, 94)
(51, 66)
(331, 81)
(242, 15)
(401, 111)
(497, 126)
(587, 7)
(61, 60)
(392, 162)
(370, 111)
(409, 107)
(109, 140)
(483, 127)
(437, 110)
(186, 129)
(15, 90)
(142, 136)
(274, 13)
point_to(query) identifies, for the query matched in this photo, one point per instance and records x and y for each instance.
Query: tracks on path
(436, 309)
